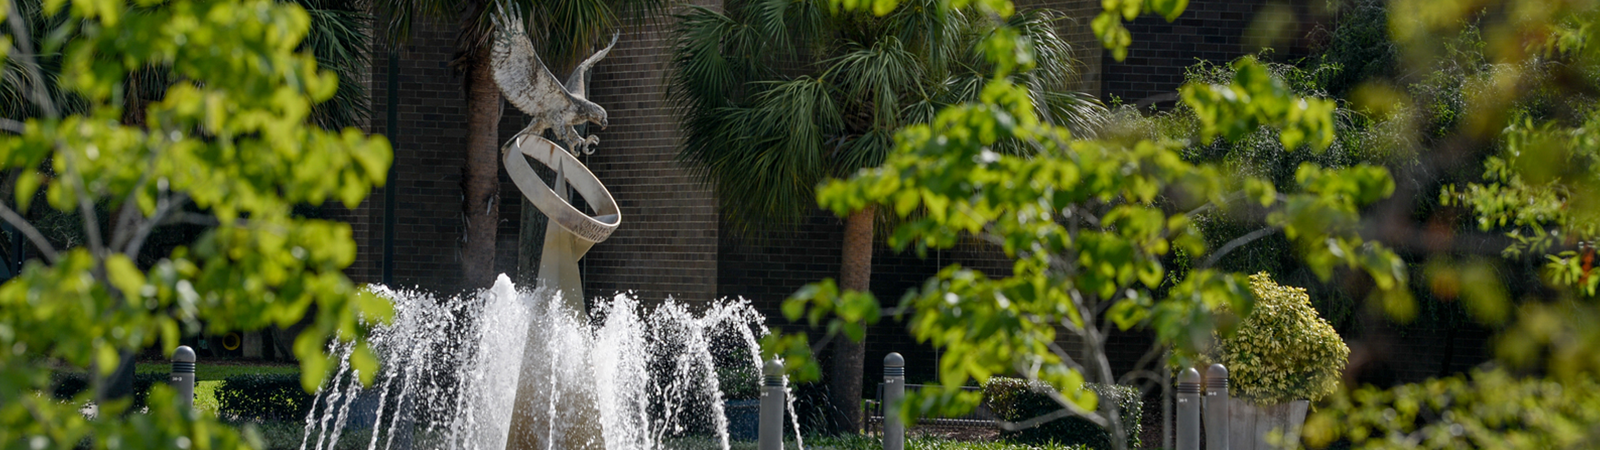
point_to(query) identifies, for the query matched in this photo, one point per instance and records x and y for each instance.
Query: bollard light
(769, 430)
(182, 376)
(894, 390)
(1189, 409)
(1217, 400)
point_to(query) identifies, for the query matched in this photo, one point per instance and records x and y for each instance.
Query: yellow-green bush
(1283, 350)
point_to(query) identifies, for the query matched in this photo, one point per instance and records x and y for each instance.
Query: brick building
(671, 243)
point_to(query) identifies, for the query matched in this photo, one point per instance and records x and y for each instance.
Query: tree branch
(1235, 244)
(166, 206)
(91, 222)
(126, 217)
(1149, 355)
(1065, 357)
(27, 229)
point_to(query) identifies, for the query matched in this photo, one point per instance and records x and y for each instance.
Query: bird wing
(519, 72)
(575, 84)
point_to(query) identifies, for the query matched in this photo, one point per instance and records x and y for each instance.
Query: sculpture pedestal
(568, 236)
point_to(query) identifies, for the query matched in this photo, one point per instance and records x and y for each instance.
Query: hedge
(263, 397)
(66, 386)
(1015, 400)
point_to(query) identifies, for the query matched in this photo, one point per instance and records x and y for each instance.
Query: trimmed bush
(1016, 400)
(263, 397)
(1283, 350)
(66, 386)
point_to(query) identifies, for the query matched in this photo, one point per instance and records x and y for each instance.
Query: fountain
(624, 377)
(527, 368)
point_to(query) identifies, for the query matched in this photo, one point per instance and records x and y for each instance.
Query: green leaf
(125, 277)
(1169, 9)
(27, 185)
(313, 363)
(1126, 314)
(884, 7)
(364, 363)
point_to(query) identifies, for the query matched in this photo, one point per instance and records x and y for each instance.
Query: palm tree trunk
(480, 181)
(855, 273)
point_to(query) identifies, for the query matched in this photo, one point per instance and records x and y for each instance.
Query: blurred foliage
(1489, 409)
(1282, 351)
(1016, 401)
(225, 145)
(1497, 99)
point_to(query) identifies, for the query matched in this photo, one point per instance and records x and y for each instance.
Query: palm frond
(21, 78)
(877, 78)
(765, 121)
(339, 40)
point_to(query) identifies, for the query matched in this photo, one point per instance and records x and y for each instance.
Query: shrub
(66, 386)
(739, 383)
(264, 397)
(1015, 400)
(1283, 350)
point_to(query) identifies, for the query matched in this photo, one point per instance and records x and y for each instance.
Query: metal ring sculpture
(560, 211)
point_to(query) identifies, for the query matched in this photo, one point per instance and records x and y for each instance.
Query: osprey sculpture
(569, 234)
(528, 84)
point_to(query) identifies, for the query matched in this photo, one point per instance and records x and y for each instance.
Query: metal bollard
(182, 377)
(769, 431)
(894, 390)
(1189, 409)
(1217, 400)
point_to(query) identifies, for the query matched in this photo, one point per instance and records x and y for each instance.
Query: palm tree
(778, 95)
(566, 29)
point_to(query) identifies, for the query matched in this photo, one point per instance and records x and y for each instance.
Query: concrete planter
(1249, 424)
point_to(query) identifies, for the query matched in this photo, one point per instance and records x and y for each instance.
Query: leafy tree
(337, 37)
(565, 28)
(1525, 121)
(780, 95)
(1088, 222)
(227, 136)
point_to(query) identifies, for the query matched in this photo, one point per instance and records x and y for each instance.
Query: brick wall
(667, 243)
(428, 144)
(1210, 30)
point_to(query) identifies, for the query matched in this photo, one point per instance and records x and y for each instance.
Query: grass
(287, 435)
(865, 443)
